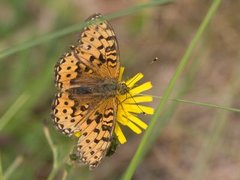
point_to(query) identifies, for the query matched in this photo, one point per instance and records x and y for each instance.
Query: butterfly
(87, 81)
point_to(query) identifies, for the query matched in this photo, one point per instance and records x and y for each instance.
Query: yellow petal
(143, 87)
(131, 82)
(123, 120)
(139, 99)
(127, 122)
(138, 109)
(134, 128)
(77, 134)
(128, 98)
(121, 73)
(119, 134)
(129, 103)
(120, 112)
(124, 97)
(137, 121)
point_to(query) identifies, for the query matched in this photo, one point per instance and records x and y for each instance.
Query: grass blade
(204, 104)
(54, 151)
(142, 147)
(16, 163)
(1, 171)
(22, 99)
(57, 34)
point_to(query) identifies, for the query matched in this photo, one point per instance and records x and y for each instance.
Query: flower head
(129, 106)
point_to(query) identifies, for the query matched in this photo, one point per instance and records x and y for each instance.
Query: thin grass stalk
(54, 152)
(1, 170)
(202, 104)
(10, 170)
(141, 151)
(220, 121)
(167, 115)
(13, 109)
(214, 136)
(57, 34)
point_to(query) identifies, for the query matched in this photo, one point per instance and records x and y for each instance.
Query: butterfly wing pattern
(86, 78)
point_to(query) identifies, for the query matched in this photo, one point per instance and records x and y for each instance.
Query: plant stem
(141, 151)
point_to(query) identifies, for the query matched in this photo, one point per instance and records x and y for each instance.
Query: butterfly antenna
(136, 103)
(133, 97)
(120, 103)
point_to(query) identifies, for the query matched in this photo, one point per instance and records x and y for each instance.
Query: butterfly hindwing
(97, 136)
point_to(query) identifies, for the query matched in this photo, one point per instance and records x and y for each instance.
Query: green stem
(16, 163)
(55, 154)
(1, 171)
(210, 105)
(13, 110)
(142, 149)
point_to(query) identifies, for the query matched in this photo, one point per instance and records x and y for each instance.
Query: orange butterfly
(87, 79)
(92, 99)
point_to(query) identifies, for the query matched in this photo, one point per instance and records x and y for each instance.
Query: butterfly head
(122, 88)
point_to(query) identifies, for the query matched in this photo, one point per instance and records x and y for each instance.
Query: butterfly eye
(122, 88)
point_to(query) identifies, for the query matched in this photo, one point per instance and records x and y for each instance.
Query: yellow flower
(129, 106)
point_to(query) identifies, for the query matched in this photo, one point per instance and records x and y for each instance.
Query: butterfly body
(106, 89)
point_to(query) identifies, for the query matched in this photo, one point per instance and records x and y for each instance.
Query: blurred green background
(197, 142)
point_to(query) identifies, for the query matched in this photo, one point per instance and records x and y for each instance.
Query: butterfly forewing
(80, 106)
(70, 69)
(95, 56)
(99, 47)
